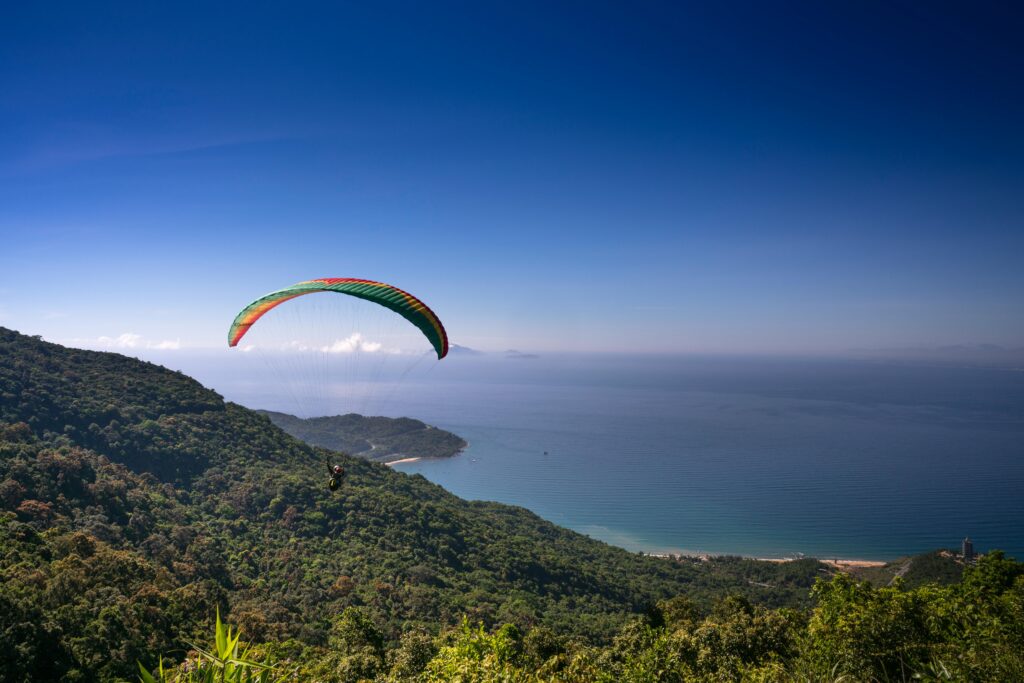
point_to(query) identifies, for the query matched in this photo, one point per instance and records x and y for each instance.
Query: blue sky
(581, 176)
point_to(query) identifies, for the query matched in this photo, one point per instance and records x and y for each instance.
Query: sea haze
(752, 456)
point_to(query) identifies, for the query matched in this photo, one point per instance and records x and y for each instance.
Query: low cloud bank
(127, 340)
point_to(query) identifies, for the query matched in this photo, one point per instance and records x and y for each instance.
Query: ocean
(762, 457)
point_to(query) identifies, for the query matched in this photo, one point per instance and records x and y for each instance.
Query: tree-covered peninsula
(381, 439)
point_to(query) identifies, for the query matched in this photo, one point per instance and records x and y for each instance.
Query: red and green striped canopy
(402, 303)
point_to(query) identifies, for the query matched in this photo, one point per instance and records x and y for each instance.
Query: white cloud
(354, 342)
(295, 346)
(128, 340)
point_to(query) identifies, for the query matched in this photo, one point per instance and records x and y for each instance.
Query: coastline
(853, 564)
(420, 457)
(836, 562)
(396, 462)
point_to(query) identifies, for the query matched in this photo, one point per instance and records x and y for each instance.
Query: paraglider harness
(337, 473)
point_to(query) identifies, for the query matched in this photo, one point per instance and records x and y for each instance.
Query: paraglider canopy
(401, 302)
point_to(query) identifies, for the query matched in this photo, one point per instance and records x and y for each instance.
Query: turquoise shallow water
(743, 456)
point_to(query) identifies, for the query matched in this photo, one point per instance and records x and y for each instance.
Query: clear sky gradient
(763, 177)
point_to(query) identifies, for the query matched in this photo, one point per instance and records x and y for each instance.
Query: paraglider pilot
(337, 473)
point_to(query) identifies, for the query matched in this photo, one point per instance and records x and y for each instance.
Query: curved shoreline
(420, 457)
(837, 562)
(397, 462)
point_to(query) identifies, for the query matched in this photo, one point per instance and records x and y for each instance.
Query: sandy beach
(853, 564)
(395, 462)
(835, 562)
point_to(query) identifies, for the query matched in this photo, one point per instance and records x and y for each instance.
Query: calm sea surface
(758, 457)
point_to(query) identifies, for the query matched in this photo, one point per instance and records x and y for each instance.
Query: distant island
(459, 350)
(380, 439)
(519, 355)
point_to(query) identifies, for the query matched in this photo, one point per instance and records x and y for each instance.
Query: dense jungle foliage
(970, 631)
(134, 503)
(381, 439)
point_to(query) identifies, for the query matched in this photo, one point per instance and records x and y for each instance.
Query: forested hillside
(134, 502)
